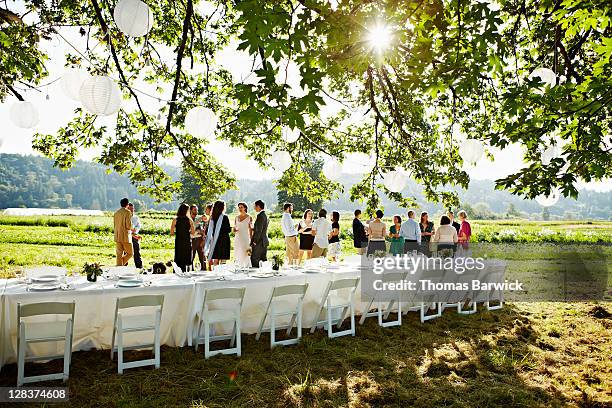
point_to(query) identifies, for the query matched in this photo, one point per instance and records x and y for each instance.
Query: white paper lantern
(71, 82)
(23, 114)
(281, 160)
(201, 122)
(100, 95)
(395, 181)
(1, 142)
(471, 150)
(332, 169)
(133, 17)
(290, 135)
(546, 75)
(549, 200)
(551, 152)
(357, 163)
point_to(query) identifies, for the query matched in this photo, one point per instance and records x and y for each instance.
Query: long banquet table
(95, 306)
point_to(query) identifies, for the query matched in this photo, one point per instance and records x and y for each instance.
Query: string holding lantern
(133, 17)
(549, 200)
(332, 169)
(201, 122)
(71, 82)
(281, 160)
(100, 95)
(471, 150)
(24, 114)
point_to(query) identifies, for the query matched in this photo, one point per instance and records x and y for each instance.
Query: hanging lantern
(357, 163)
(395, 181)
(549, 200)
(201, 122)
(133, 17)
(23, 114)
(290, 135)
(281, 160)
(546, 75)
(332, 169)
(71, 82)
(100, 95)
(551, 152)
(471, 150)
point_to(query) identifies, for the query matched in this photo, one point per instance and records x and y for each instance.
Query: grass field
(527, 354)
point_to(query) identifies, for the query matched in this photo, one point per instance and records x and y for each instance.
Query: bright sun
(380, 37)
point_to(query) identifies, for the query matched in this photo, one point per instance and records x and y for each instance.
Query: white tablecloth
(95, 306)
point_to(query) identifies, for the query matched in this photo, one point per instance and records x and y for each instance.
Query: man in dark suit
(454, 223)
(259, 242)
(360, 239)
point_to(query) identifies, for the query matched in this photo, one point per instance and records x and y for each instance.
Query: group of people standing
(408, 236)
(208, 235)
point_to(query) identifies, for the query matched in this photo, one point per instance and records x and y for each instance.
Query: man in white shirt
(290, 232)
(411, 232)
(321, 228)
(135, 237)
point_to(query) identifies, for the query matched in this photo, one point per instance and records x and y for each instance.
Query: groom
(259, 242)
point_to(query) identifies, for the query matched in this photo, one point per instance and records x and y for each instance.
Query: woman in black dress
(218, 237)
(182, 228)
(427, 231)
(306, 237)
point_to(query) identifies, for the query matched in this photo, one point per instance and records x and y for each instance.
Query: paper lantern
(357, 163)
(332, 169)
(133, 17)
(549, 200)
(23, 114)
(201, 122)
(71, 82)
(100, 95)
(281, 160)
(395, 181)
(551, 152)
(290, 135)
(546, 75)
(471, 150)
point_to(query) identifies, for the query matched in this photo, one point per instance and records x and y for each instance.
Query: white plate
(129, 283)
(45, 286)
(45, 278)
(262, 275)
(127, 276)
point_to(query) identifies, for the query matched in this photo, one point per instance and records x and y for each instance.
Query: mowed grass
(527, 354)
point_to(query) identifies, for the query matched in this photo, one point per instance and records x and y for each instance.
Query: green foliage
(301, 199)
(449, 68)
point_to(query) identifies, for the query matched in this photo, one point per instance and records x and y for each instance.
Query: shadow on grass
(475, 360)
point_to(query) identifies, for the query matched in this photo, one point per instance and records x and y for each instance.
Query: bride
(243, 228)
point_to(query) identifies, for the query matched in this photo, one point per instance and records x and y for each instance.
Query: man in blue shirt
(411, 232)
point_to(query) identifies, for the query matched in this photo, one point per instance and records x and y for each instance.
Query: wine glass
(18, 273)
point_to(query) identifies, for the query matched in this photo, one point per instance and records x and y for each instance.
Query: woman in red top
(465, 230)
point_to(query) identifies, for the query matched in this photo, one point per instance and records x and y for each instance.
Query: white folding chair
(331, 302)
(45, 270)
(392, 277)
(39, 332)
(129, 323)
(431, 299)
(208, 317)
(280, 307)
(496, 273)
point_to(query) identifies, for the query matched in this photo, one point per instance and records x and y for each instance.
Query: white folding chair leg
(67, 350)
(119, 345)
(425, 316)
(21, 356)
(157, 339)
(366, 312)
(238, 333)
(473, 310)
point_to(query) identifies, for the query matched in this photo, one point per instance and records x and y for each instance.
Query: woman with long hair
(217, 245)
(243, 229)
(335, 250)
(427, 231)
(397, 241)
(182, 228)
(306, 237)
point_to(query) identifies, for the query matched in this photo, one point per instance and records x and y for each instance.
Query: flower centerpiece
(92, 271)
(277, 261)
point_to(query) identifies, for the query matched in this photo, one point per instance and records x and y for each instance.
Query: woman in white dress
(243, 228)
